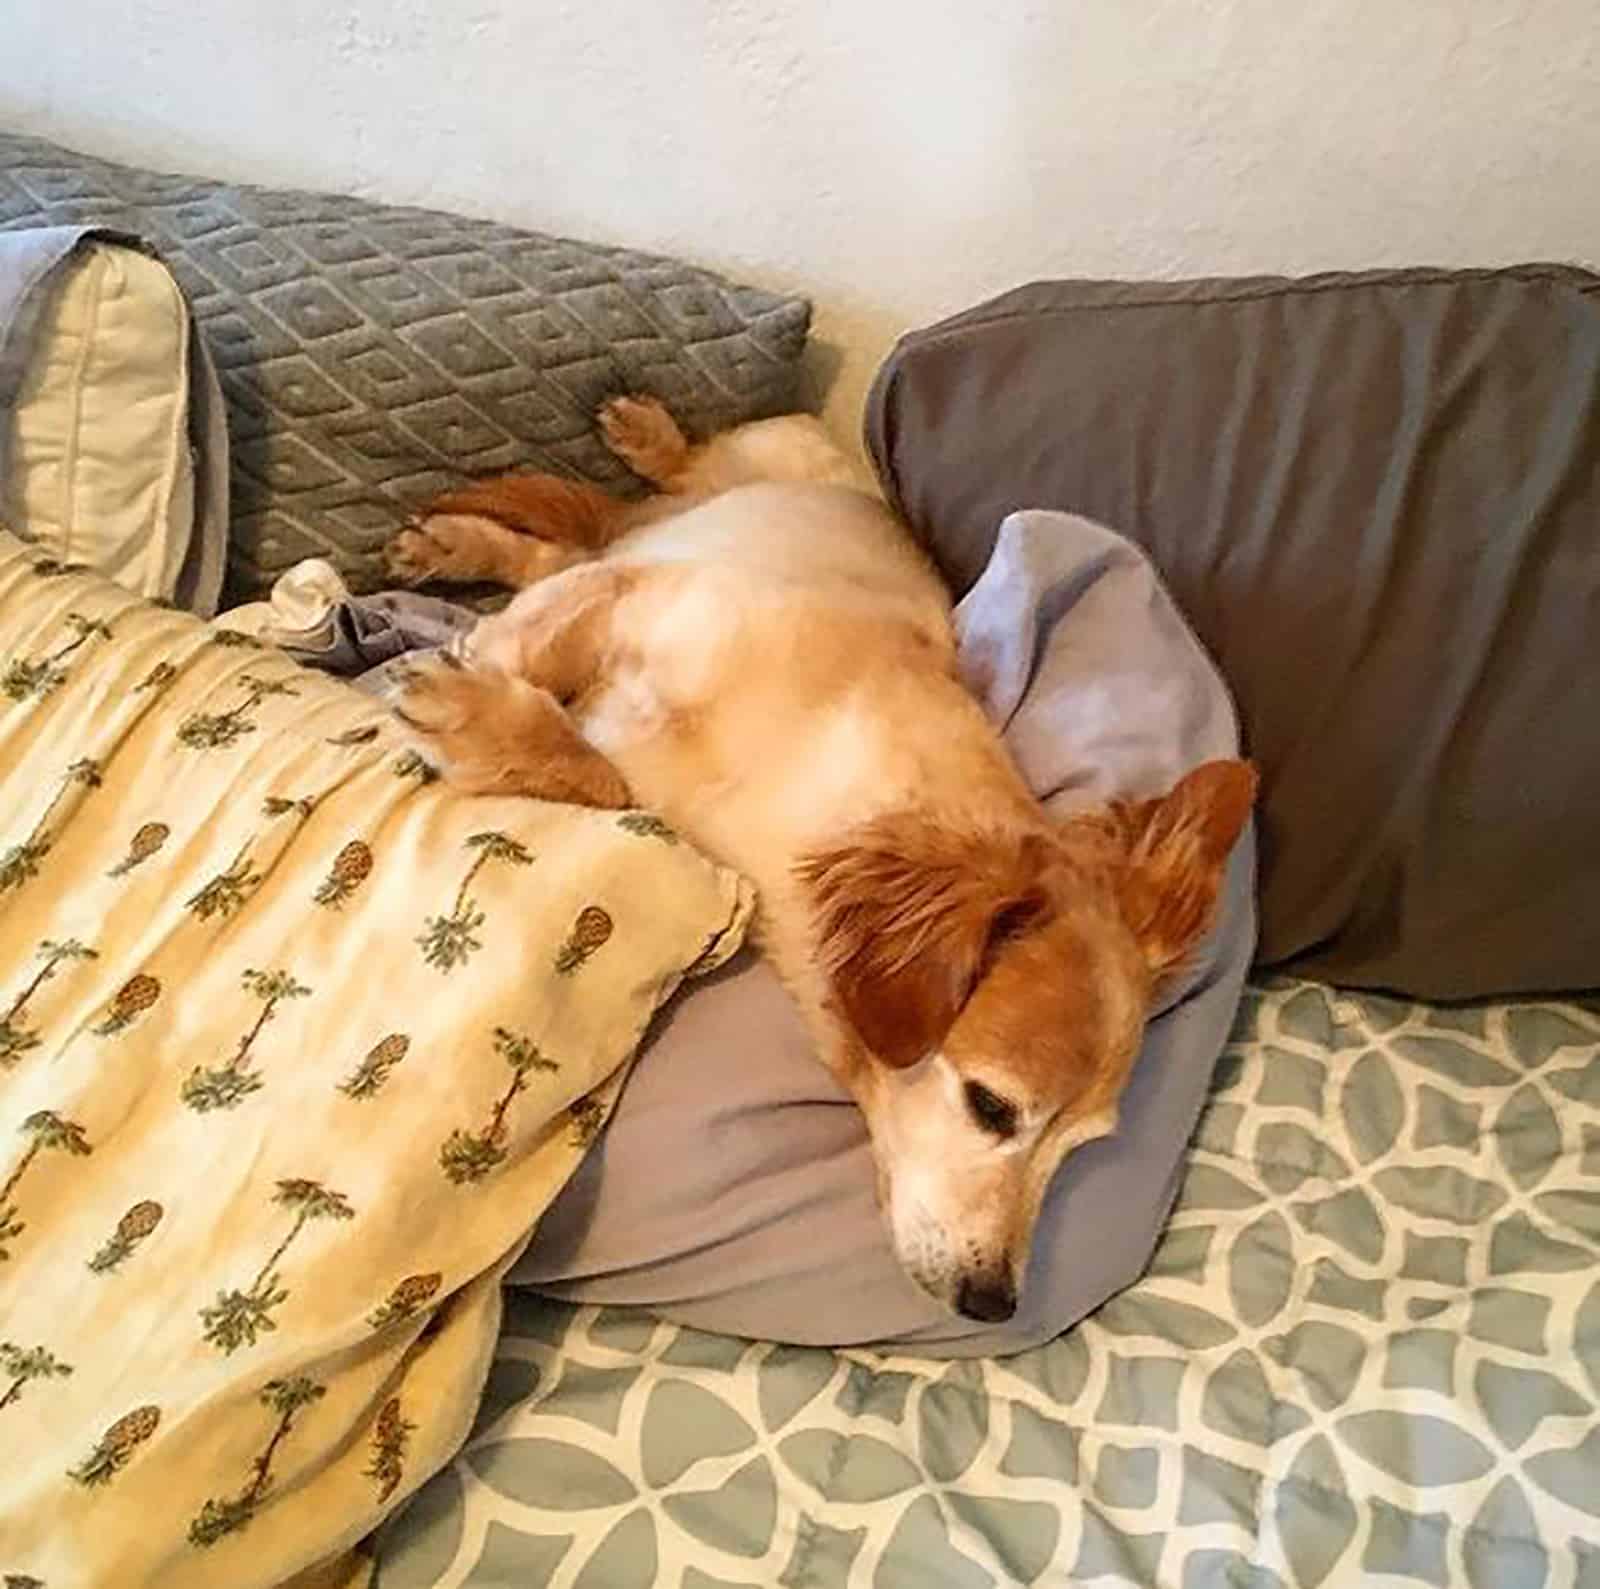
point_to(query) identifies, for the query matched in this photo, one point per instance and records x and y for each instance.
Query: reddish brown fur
(647, 438)
(906, 912)
(507, 736)
(770, 662)
(542, 505)
(1066, 1048)
(1178, 846)
(557, 645)
(920, 926)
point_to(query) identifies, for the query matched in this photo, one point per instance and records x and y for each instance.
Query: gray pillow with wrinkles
(734, 1187)
(1375, 495)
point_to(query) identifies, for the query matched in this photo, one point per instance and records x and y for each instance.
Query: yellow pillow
(101, 470)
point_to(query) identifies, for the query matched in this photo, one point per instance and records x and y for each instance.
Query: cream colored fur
(765, 657)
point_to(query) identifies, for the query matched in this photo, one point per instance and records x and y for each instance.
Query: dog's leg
(493, 733)
(463, 548)
(793, 447)
(556, 634)
(513, 529)
(495, 723)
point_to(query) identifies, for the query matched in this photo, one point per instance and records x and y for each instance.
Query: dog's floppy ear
(906, 911)
(1177, 850)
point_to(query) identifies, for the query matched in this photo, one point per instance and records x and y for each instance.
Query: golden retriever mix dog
(761, 654)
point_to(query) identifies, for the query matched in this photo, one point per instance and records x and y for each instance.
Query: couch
(1367, 1341)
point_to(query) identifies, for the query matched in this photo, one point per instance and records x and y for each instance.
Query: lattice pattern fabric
(1367, 1350)
(373, 355)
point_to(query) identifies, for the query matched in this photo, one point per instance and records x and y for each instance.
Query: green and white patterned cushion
(1369, 1345)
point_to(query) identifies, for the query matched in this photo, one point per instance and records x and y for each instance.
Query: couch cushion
(113, 441)
(373, 355)
(1376, 497)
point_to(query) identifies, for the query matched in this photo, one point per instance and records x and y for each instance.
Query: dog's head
(994, 990)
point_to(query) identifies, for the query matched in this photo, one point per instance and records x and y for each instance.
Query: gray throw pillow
(734, 1190)
(372, 356)
(1375, 496)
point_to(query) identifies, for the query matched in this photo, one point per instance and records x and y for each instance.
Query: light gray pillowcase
(734, 1187)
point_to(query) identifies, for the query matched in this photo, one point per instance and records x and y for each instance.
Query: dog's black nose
(988, 1298)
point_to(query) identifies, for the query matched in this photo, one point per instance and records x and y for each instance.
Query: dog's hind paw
(645, 436)
(444, 546)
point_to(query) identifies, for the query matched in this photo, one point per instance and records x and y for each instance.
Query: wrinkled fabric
(295, 1046)
(1366, 1352)
(735, 1188)
(312, 615)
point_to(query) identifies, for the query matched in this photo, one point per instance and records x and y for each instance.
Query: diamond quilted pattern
(372, 355)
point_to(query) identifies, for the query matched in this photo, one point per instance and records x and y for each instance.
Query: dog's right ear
(905, 913)
(1176, 851)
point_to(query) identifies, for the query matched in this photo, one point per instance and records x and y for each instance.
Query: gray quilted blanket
(372, 356)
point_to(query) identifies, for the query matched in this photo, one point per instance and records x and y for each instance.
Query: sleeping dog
(761, 653)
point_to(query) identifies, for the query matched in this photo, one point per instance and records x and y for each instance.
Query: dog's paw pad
(414, 556)
(435, 696)
(491, 734)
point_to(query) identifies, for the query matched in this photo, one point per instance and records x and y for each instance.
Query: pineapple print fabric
(295, 1047)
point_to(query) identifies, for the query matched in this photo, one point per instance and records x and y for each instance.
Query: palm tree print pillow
(295, 1047)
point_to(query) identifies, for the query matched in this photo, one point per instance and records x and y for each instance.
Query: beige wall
(895, 158)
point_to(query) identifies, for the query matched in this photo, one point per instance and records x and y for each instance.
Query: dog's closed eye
(994, 1113)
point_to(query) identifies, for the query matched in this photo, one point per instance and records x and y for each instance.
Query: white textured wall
(897, 159)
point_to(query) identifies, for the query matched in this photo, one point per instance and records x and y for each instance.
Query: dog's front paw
(492, 733)
(435, 695)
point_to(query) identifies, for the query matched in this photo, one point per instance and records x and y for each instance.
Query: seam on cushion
(167, 568)
(675, 979)
(732, 924)
(1560, 275)
(96, 263)
(877, 424)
